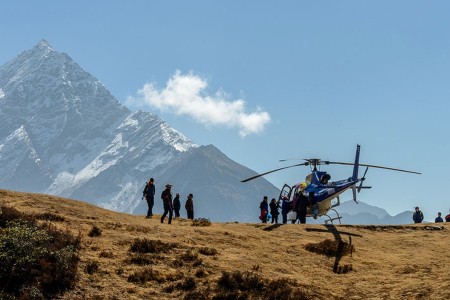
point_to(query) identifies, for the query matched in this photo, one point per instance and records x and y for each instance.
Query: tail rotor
(362, 180)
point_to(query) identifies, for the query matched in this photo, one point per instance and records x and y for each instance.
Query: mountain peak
(43, 46)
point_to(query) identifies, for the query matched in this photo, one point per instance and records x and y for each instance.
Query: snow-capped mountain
(63, 133)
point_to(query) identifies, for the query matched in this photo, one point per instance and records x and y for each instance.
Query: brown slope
(386, 262)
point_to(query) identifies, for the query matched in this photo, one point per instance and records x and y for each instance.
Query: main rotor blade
(265, 173)
(288, 159)
(372, 166)
(388, 168)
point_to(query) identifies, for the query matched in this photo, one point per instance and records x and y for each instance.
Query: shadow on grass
(337, 248)
(272, 227)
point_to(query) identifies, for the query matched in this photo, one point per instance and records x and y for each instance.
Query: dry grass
(244, 261)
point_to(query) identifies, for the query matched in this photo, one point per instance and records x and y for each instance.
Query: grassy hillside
(129, 257)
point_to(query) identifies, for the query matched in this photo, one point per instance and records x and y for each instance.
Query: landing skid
(338, 217)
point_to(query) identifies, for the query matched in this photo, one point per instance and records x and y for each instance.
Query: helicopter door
(285, 192)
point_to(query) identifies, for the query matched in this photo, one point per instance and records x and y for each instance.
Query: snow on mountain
(63, 133)
(20, 164)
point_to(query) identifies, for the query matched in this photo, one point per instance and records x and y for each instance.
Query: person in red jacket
(447, 218)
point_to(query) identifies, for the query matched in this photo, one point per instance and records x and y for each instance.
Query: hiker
(447, 218)
(189, 205)
(264, 207)
(301, 206)
(149, 195)
(166, 197)
(177, 205)
(274, 210)
(286, 207)
(439, 218)
(417, 215)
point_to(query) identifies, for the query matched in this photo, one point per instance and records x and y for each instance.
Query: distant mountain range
(363, 213)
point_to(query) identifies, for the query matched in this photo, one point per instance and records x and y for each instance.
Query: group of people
(292, 210)
(297, 208)
(170, 204)
(418, 216)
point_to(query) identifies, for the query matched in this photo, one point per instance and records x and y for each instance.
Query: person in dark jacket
(301, 207)
(177, 205)
(286, 207)
(149, 195)
(274, 210)
(189, 205)
(264, 207)
(166, 197)
(418, 216)
(438, 218)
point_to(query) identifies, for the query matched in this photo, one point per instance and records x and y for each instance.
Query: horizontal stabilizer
(365, 187)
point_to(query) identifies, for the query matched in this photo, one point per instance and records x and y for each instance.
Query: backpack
(144, 192)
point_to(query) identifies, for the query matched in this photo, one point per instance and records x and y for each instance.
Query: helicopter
(320, 191)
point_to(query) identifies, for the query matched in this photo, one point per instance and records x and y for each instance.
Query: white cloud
(185, 95)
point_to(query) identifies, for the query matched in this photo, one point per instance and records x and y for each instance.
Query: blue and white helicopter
(320, 191)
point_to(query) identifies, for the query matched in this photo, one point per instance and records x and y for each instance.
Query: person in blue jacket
(439, 218)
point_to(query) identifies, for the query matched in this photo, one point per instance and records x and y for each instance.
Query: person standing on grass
(302, 207)
(274, 210)
(189, 205)
(264, 207)
(417, 216)
(177, 205)
(166, 197)
(286, 207)
(149, 195)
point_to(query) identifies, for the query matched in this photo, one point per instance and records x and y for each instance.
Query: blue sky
(283, 79)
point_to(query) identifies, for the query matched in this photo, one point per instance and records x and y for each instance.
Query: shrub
(47, 216)
(330, 248)
(36, 258)
(249, 285)
(9, 214)
(95, 231)
(146, 274)
(188, 284)
(200, 273)
(91, 267)
(202, 222)
(4, 296)
(207, 251)
(200, 295)
(106, 254)
(151, 246)
(142, 259)
(189, 255)
(244, 281)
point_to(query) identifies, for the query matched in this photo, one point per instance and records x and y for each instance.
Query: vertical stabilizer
(356, 166)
